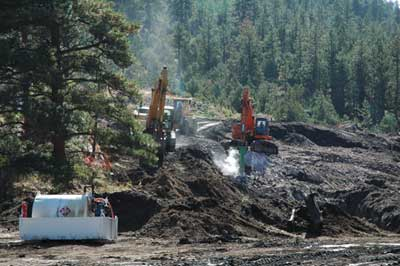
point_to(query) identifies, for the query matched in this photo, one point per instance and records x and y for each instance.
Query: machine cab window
(262, 126)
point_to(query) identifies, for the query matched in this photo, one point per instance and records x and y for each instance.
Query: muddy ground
(190, 213)
(133, 250)
(354, 175)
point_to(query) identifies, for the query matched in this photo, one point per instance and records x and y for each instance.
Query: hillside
(324, 78)
(322, 61)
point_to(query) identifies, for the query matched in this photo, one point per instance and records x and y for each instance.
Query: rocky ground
(208, 218)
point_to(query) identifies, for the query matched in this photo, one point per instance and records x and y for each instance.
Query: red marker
(24, 209)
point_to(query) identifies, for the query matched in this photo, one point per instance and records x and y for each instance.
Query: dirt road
(132, 250)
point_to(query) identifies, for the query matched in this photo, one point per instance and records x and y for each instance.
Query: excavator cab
(262, 127)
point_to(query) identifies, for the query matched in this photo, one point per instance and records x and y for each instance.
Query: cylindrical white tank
(60, 206)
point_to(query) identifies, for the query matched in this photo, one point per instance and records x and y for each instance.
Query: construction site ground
(194, 211)
(133, 250)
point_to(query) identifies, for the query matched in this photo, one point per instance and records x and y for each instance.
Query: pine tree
(395, 54)
(338, 78)
(361, 76)
(246, 9)
(71, 56)
(379, 83)
(249, 45)
(208, 43)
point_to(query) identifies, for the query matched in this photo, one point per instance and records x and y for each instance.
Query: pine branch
(11, 124)
(82, 48)
(77, 134)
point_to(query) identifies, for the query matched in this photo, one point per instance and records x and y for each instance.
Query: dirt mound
(133, 208)
(298, 139)
(354, 174)
(333, 137)
(336, 222)
(296, 133)
(379, 206)
(190, 199)
(317, 134)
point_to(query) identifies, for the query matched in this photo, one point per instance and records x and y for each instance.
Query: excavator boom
(245, 129)
(156, 109)
(160, 127)
(247, 117)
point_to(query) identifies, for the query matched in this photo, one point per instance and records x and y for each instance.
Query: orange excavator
(251, 131)
(159, 120)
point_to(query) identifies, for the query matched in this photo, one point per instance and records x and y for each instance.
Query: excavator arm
(245, 129)
(154, 123)
(162, 132)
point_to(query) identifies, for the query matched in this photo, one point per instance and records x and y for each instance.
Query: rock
(184, 241)
(314, 215)
(302, 175)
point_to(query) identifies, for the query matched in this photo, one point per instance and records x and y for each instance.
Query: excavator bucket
(264, 146)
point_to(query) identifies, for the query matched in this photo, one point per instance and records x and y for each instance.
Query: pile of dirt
(354, 174)
(378, 204)
(133, 208)
(319, 135)
(334, 137)
(336, 222)
(190, 199)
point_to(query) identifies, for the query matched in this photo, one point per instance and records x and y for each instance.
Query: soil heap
(354, 174)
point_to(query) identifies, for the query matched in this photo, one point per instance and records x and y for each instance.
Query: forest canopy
(322, 61)
(70, 70)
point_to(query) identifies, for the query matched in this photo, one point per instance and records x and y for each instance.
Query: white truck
(68, 217)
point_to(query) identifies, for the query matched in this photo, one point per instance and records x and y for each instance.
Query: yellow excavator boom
(158, 99)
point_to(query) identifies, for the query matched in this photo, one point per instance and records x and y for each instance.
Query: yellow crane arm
(158, 99)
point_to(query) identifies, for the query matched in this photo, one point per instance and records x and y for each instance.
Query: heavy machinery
(180, 108)
(183, 118)
(252, 133)
(68, 217)
(159, 121)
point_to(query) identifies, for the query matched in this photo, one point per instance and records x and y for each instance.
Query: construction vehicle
(68, 217)
(252, 133)
(159, 121)
(183, 117)
(183, 121)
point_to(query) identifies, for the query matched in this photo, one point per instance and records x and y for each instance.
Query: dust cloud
(228, 163)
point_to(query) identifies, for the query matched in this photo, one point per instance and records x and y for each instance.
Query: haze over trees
(322, 61)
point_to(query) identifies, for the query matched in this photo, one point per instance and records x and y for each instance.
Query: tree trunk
(59, 148)
(397, 95)
(58, 139)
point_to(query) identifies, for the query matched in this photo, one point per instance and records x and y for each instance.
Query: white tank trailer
(68, 217)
